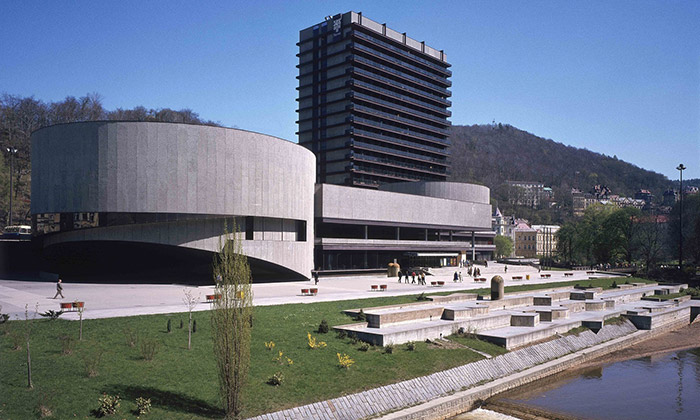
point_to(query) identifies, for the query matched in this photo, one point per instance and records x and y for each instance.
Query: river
(663, 386)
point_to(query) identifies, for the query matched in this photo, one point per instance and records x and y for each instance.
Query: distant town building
(670, 197)
(645, 195)
(546, 239)
(525, 244)
(601, 194)
(527, 193)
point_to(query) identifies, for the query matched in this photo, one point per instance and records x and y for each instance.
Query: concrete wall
(150, 167)
(340, 203)
(459, 191)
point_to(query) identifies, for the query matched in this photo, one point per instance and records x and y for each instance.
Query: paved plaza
(115, 300)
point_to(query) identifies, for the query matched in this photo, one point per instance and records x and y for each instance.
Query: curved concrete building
(110, 192)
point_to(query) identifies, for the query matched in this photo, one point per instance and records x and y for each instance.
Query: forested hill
(492, 154)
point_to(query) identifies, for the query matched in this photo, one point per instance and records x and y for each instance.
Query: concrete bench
(545, 276)
(482, 279)
(568, 274)
(309, 292)
(72, 306)
(517, 277)
(212, 298)
(382, 287)
(374, 287)
(590, 272)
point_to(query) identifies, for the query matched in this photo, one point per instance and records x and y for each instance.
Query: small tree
(231, 321)
(28, 324)
(190, 302)
(81, 311)
(504, 245)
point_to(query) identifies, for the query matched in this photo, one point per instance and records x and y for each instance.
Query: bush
(342, 334)
(109, 405)
(344, 361)
(143, 406)
(389, 349)
(323, 327)
(410, 346)
(313, 343)
(149, 348)
(51, 314)
(43, 407)
(67, 344)
(181, 325)
(422, 297)
(270, 345)
(169, 327)
(613, 285)
(17, 340)
(91, 360)
(131, 337)
(361, 316)
(276, 379)
(194, 326)
(353, 338)
(364, 346)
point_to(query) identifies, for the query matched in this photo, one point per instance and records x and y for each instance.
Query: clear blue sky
(616, 77)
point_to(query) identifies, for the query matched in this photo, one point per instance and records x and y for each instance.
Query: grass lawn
(182, 384)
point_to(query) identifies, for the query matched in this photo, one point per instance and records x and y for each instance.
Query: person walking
(460, 277)
(455, 277)
(400, 275)
(59, 289)
(413, 277)
(422, 278)
(506, 269)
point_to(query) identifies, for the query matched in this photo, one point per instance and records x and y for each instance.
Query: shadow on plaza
(167, 400)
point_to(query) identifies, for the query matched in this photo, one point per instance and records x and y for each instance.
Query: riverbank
(684, 338)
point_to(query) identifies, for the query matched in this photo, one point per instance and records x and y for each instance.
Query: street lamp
(12, 152)
(680, 168)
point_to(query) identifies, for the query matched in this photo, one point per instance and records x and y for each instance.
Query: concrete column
(497, 288)
(450, 236)
(426, 235)
(398, 233)
(473, 247)
(366, 235)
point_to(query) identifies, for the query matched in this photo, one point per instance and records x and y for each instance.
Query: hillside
(492, 154)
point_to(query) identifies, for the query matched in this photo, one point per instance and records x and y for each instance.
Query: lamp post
(680, 168)
(12, 152)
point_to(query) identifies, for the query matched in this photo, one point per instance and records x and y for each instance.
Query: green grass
(480, 345)
(182, 384)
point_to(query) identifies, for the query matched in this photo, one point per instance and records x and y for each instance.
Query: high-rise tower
(373, 103)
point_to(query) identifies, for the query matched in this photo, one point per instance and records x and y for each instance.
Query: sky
(620, 78)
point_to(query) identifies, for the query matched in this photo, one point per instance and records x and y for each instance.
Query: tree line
(610, 235)
(20, 116)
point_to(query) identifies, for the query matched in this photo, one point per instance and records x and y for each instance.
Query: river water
(665, 386)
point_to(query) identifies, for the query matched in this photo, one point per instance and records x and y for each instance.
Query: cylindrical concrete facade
(190, 176)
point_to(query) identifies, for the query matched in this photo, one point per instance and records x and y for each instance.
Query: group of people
(420, 277)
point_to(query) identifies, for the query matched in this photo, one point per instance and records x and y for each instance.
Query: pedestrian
(413, 277)
(469, 271)
(59, 289)
(400, 275)
(316, 276)
(422, 278)
(505, 269)
(460, 277)
(486, 265)
(455, 277)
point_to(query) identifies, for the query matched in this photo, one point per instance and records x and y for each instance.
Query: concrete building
(152, 199)
(373, 103)
(414, 223)
(528, 193)
(137, 194)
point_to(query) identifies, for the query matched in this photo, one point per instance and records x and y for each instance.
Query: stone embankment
(448, 393)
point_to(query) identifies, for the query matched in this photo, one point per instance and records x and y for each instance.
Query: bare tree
(231, 321)
(650, 242)
(81, 310)
(28, 324)
(191, 302)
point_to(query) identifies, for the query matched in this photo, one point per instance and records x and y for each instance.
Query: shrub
(313, 343)
(276, 379)
(361, 316)
(323, 327)
(51, 314)
(364, 346)
(91, 360)
(143, 406)
(149, 348)
(109, 405)
(422, 297)
(613, 285)
(194, 326)
(131, 337)
(3, 317)
(43, 406)
(270, 345)
(389, 349)
(169, 327)
(410, 346)
(344, 361)
(67, 344)
(353, 338)
(181, 325)
(342, 334)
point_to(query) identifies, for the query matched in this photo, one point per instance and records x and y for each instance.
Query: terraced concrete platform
(521, 319)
